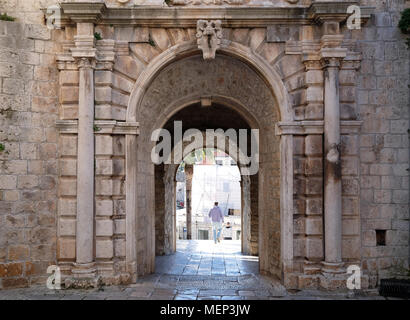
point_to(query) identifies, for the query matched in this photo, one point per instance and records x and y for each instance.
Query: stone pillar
(189, 172)
(246, 217)
(84, 53)
(170, 209)
(332, 166)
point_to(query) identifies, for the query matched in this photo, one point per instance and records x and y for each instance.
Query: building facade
(84, 86)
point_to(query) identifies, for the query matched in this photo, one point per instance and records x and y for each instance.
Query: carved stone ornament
(209, 35)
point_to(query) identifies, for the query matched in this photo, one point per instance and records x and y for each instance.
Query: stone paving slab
(171, 285)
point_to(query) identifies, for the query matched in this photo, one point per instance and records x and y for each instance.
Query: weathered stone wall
(383, 105)
(28, 159)
(38, 167)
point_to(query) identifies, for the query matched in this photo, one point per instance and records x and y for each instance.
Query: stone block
(314, 226)
(104, 249)
(104, 228)
(103, 95)
(68, 145)
(69, 78)
(104, 167)
(161, 39)
(36, 31)
(103, 145)
(68, 167)
(103, 187)
(314, 186)
(314, 248)
(132, 34)
(119, 226)
(314, 206)
(67, 207)
(350, 166)
(68, 187)
(18, 252)
(11, 270)
(104, 207)
(350, 206)
(314, 94)
(67, 227)
(313, 145)
(351, 248)
(282, 33)
(66, 249)
(128, 66)
(119, 248)
(8, 182)
(27, 182)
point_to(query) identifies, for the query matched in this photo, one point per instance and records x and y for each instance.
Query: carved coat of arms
(209, 35)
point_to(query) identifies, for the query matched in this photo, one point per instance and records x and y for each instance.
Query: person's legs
(214, 231)
(219, 231)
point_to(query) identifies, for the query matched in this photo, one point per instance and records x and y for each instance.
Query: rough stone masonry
(79, 101)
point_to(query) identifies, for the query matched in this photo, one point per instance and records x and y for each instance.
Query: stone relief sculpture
(209, 35)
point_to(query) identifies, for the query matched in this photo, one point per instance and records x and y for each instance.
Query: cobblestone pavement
(200, 270)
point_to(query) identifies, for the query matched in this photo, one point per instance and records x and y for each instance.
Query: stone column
(246, 217)
(332, 165)
(84, 53)
(170, 209)
(189, 172)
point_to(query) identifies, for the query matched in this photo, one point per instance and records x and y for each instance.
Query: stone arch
(229, 48)
(140, 245)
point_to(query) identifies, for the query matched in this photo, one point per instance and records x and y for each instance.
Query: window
(381, 237)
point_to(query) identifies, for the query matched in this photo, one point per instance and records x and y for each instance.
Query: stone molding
(314, 127)
(187, 16)
(102, 127)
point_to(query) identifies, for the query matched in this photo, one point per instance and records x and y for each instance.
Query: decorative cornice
(186, 16)
(101, 127)
(314, 127)
(84, 11)
(299, 128)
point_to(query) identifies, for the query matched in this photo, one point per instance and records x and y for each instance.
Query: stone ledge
(239, 16)
(102, 127)
(314, 127)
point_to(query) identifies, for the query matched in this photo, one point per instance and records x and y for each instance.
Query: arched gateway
(180, 77)
(275, 69)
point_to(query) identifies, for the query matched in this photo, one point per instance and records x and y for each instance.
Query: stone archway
(216, 117)
(177, 78)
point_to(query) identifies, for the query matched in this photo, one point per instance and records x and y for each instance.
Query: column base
(84, 276)
(334, 276)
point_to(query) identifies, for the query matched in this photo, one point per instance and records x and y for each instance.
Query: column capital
(86, 62)
(330, 63)
(332, 57)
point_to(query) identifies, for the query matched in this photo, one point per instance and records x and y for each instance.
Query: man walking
(217, 219)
